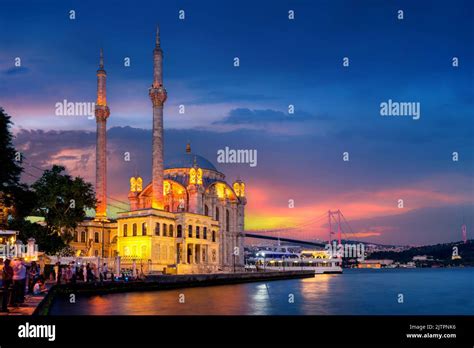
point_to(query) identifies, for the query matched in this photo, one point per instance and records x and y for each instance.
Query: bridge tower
(337, 219)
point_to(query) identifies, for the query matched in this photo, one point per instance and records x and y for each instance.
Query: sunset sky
(282, 62)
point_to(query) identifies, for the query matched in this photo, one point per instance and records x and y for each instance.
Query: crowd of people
(73, 272)
(20, 278)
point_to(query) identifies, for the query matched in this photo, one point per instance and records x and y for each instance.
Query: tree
(50, 244)
(62, 201)
(10, 159)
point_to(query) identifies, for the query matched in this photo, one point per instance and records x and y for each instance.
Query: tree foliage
(62, 201)
(50, 244)
(10, 168)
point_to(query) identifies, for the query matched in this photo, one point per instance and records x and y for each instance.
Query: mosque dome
(187, 160)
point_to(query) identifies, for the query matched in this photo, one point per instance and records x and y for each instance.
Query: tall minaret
(158, 97)
(102, 112)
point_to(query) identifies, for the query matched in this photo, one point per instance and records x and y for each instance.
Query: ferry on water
(282, 259)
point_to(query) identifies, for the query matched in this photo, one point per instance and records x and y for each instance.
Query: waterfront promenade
(30, 305)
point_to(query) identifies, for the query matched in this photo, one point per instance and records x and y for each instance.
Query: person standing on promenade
(19, 281)
(33, 275)
(7, 280)
(90, 276)
(105, 270)
(68, 274)
(56, 269)
(74, 272)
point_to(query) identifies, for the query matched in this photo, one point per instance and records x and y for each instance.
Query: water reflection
(260, 301)
(354, 292)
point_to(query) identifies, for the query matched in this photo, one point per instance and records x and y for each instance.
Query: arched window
(180, 231)
(157, 229)
(206, 210)
(144, 229)
(76, 236)
(190, 231)
(125, 230)
(217, 213)
(165, 230)
(134, 230)
(83, 236)
(204, 233)
(214, 236)
(227, 220)
(96, 237)
(171, 231)
(197, 232)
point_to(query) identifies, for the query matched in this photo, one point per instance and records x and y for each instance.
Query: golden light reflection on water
(314, 290)
(240, 299)
(219, 300)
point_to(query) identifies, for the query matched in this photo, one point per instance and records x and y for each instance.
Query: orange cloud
(270, 211)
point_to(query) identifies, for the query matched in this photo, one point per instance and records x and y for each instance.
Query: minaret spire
(101, 61)
(102, 112)
(158, 97)
(157, 43)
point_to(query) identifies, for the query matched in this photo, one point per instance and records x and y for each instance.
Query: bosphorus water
(426, 291)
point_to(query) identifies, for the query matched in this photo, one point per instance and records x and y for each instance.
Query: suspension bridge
(303, 233)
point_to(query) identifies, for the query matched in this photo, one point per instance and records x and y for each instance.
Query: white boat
(284, 260)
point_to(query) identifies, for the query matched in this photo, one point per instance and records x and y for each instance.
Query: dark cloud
(15, 71)
(438, 225)
(213, 97)
(242, 116)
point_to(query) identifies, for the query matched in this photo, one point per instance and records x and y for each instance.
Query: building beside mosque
(188, 219)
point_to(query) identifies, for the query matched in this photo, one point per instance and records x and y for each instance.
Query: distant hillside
(441, 252)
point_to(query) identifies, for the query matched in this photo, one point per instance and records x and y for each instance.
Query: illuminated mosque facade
(187, 220)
